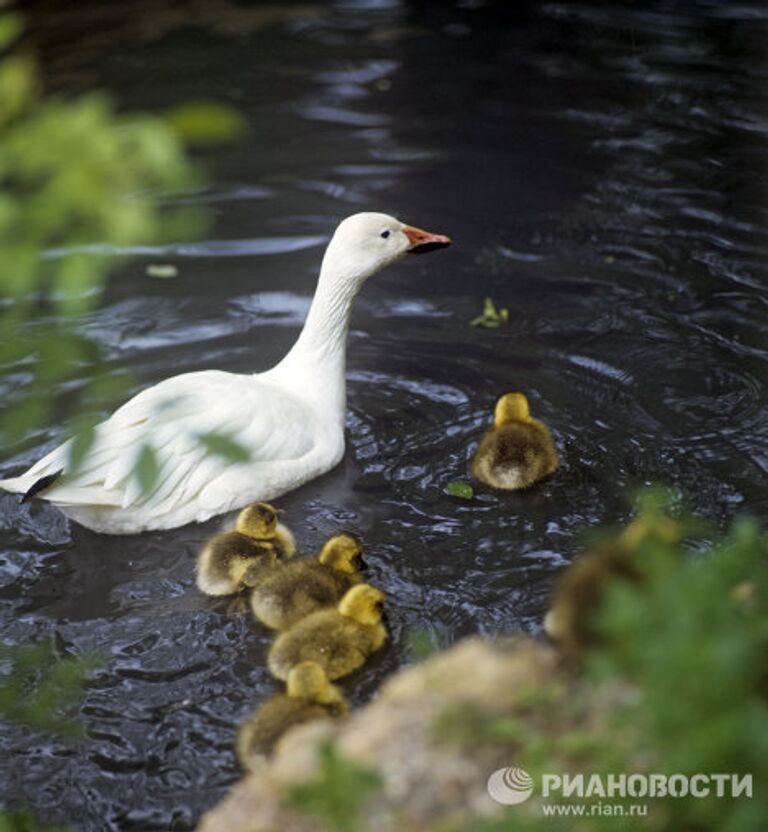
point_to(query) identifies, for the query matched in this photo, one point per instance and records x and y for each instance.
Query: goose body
(289, 419)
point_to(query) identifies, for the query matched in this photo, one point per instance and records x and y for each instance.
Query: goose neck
(322, 341)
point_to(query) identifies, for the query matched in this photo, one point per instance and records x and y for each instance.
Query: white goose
(290, 418)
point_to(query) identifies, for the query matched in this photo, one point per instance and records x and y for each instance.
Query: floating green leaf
(460, 489)
(162, 270)
(490, 317)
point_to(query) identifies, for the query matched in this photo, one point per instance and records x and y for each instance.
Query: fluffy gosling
(236, 559)
(339, 640)
(308, 695)
(517, 451)
(296, 589)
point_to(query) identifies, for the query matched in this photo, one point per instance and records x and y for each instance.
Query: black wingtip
(41, 485)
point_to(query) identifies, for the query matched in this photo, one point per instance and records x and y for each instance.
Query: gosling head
(342, 552)
(258, 520)
(365, 243)
(511, 407)
(307, 680)
(363, 603)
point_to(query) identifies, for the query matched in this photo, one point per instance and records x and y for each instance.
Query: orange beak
(423, 241)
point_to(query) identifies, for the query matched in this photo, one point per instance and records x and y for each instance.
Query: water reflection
(601, 169)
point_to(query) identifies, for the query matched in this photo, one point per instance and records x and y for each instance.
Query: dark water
(602, 169)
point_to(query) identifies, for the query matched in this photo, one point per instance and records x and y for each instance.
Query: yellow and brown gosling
(517, 451)
(260, 521)
(294, 590)
(579, 594)
(580, 590)
(339, 640)
(236, 559)
(308, 696)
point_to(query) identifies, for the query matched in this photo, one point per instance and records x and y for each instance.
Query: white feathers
(289, 419)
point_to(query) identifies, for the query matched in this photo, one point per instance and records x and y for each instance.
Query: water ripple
(603, 181)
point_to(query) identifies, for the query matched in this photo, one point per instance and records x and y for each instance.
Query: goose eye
(385, 234)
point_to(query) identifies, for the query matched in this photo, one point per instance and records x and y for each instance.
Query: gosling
(236, 559)
(517, 451)
(294, 590)
(339, 640)
(308, 696)
(581, 589)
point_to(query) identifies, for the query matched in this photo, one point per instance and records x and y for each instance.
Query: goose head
(365, 243)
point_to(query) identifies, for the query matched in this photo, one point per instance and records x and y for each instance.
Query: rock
(429, 776)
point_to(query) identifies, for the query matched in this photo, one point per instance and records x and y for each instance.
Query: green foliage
(678, 684)
(72, 173)
(41, 690)
(77, 182)
(336, 797)
(694, 640)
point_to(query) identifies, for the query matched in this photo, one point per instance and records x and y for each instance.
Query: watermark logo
(513, 785)
(510, 786)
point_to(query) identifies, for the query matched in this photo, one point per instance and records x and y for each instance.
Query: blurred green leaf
(147, 469)
(336, 797)
(22, 820)
(11, 26)
(73, 173)
(41, 690)
(422, 644)
(82, 441)
(77, 276)
(206, 122)
(17, 83)
(224, 446)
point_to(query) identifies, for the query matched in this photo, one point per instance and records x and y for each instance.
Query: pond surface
(602, 170)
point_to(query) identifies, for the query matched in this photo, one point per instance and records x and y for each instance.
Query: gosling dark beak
(361, 562)
(424, 241)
